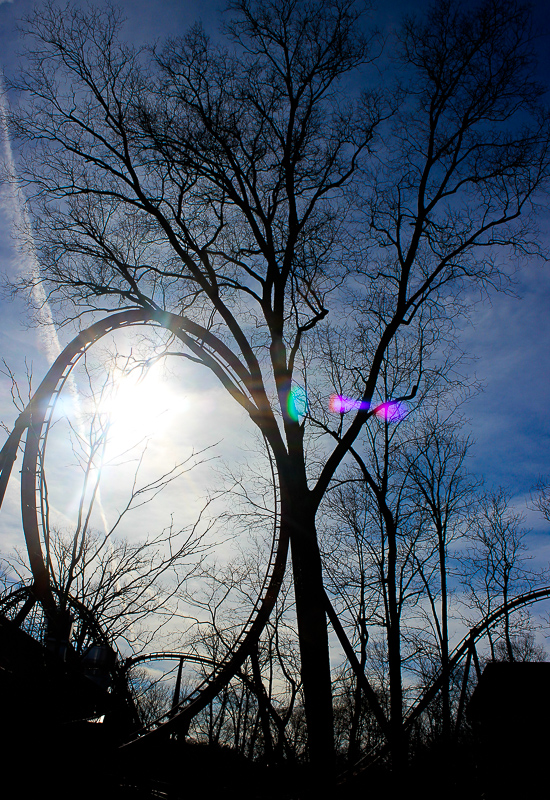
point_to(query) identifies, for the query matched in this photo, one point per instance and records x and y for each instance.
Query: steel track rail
(35, 420)
(192, 658)
(461, 651)
(473, 636)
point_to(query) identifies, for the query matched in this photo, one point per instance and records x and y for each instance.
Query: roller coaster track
(203, 661)
(36, 418)
(18, 604)
(253, 685)
(464, 650)
(466, 646)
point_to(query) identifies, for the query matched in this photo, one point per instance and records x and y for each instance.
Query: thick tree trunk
(298, 512)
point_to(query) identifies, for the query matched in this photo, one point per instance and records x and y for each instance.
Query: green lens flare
(297, 403)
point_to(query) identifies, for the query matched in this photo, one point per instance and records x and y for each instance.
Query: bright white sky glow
(138, 406)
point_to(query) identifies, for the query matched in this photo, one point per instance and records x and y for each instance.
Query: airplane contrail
(13, 199)
(14, 202)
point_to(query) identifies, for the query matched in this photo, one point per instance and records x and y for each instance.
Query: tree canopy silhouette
(256, 188)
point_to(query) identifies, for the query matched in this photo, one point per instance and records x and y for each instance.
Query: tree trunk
(263, 710)
(445, 688)
(299, 514)
(397, 733)
(353, 746)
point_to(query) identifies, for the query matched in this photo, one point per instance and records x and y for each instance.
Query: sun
(139, 404)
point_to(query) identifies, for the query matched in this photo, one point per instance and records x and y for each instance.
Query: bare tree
(131, 587)
(258, 711)
(151, 697)
(240, 190)
(496, 565)
(435, 463)
(383, 516)
(541, 499)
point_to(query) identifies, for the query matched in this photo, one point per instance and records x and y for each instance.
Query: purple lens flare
(391, 411)
(341, 405)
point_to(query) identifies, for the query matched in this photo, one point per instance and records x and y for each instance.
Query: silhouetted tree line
(461, 554)
(317, 224)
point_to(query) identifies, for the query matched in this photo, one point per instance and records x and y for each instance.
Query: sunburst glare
(138, 404)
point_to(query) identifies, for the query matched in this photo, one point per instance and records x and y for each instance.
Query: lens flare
(339, 404)
(297, 403)
(391, 411)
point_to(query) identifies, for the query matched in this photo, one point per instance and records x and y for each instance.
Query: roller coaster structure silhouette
(34, 420)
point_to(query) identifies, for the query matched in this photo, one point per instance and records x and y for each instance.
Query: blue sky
(507, 338)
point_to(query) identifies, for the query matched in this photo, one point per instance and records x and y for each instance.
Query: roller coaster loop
(35, 419)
